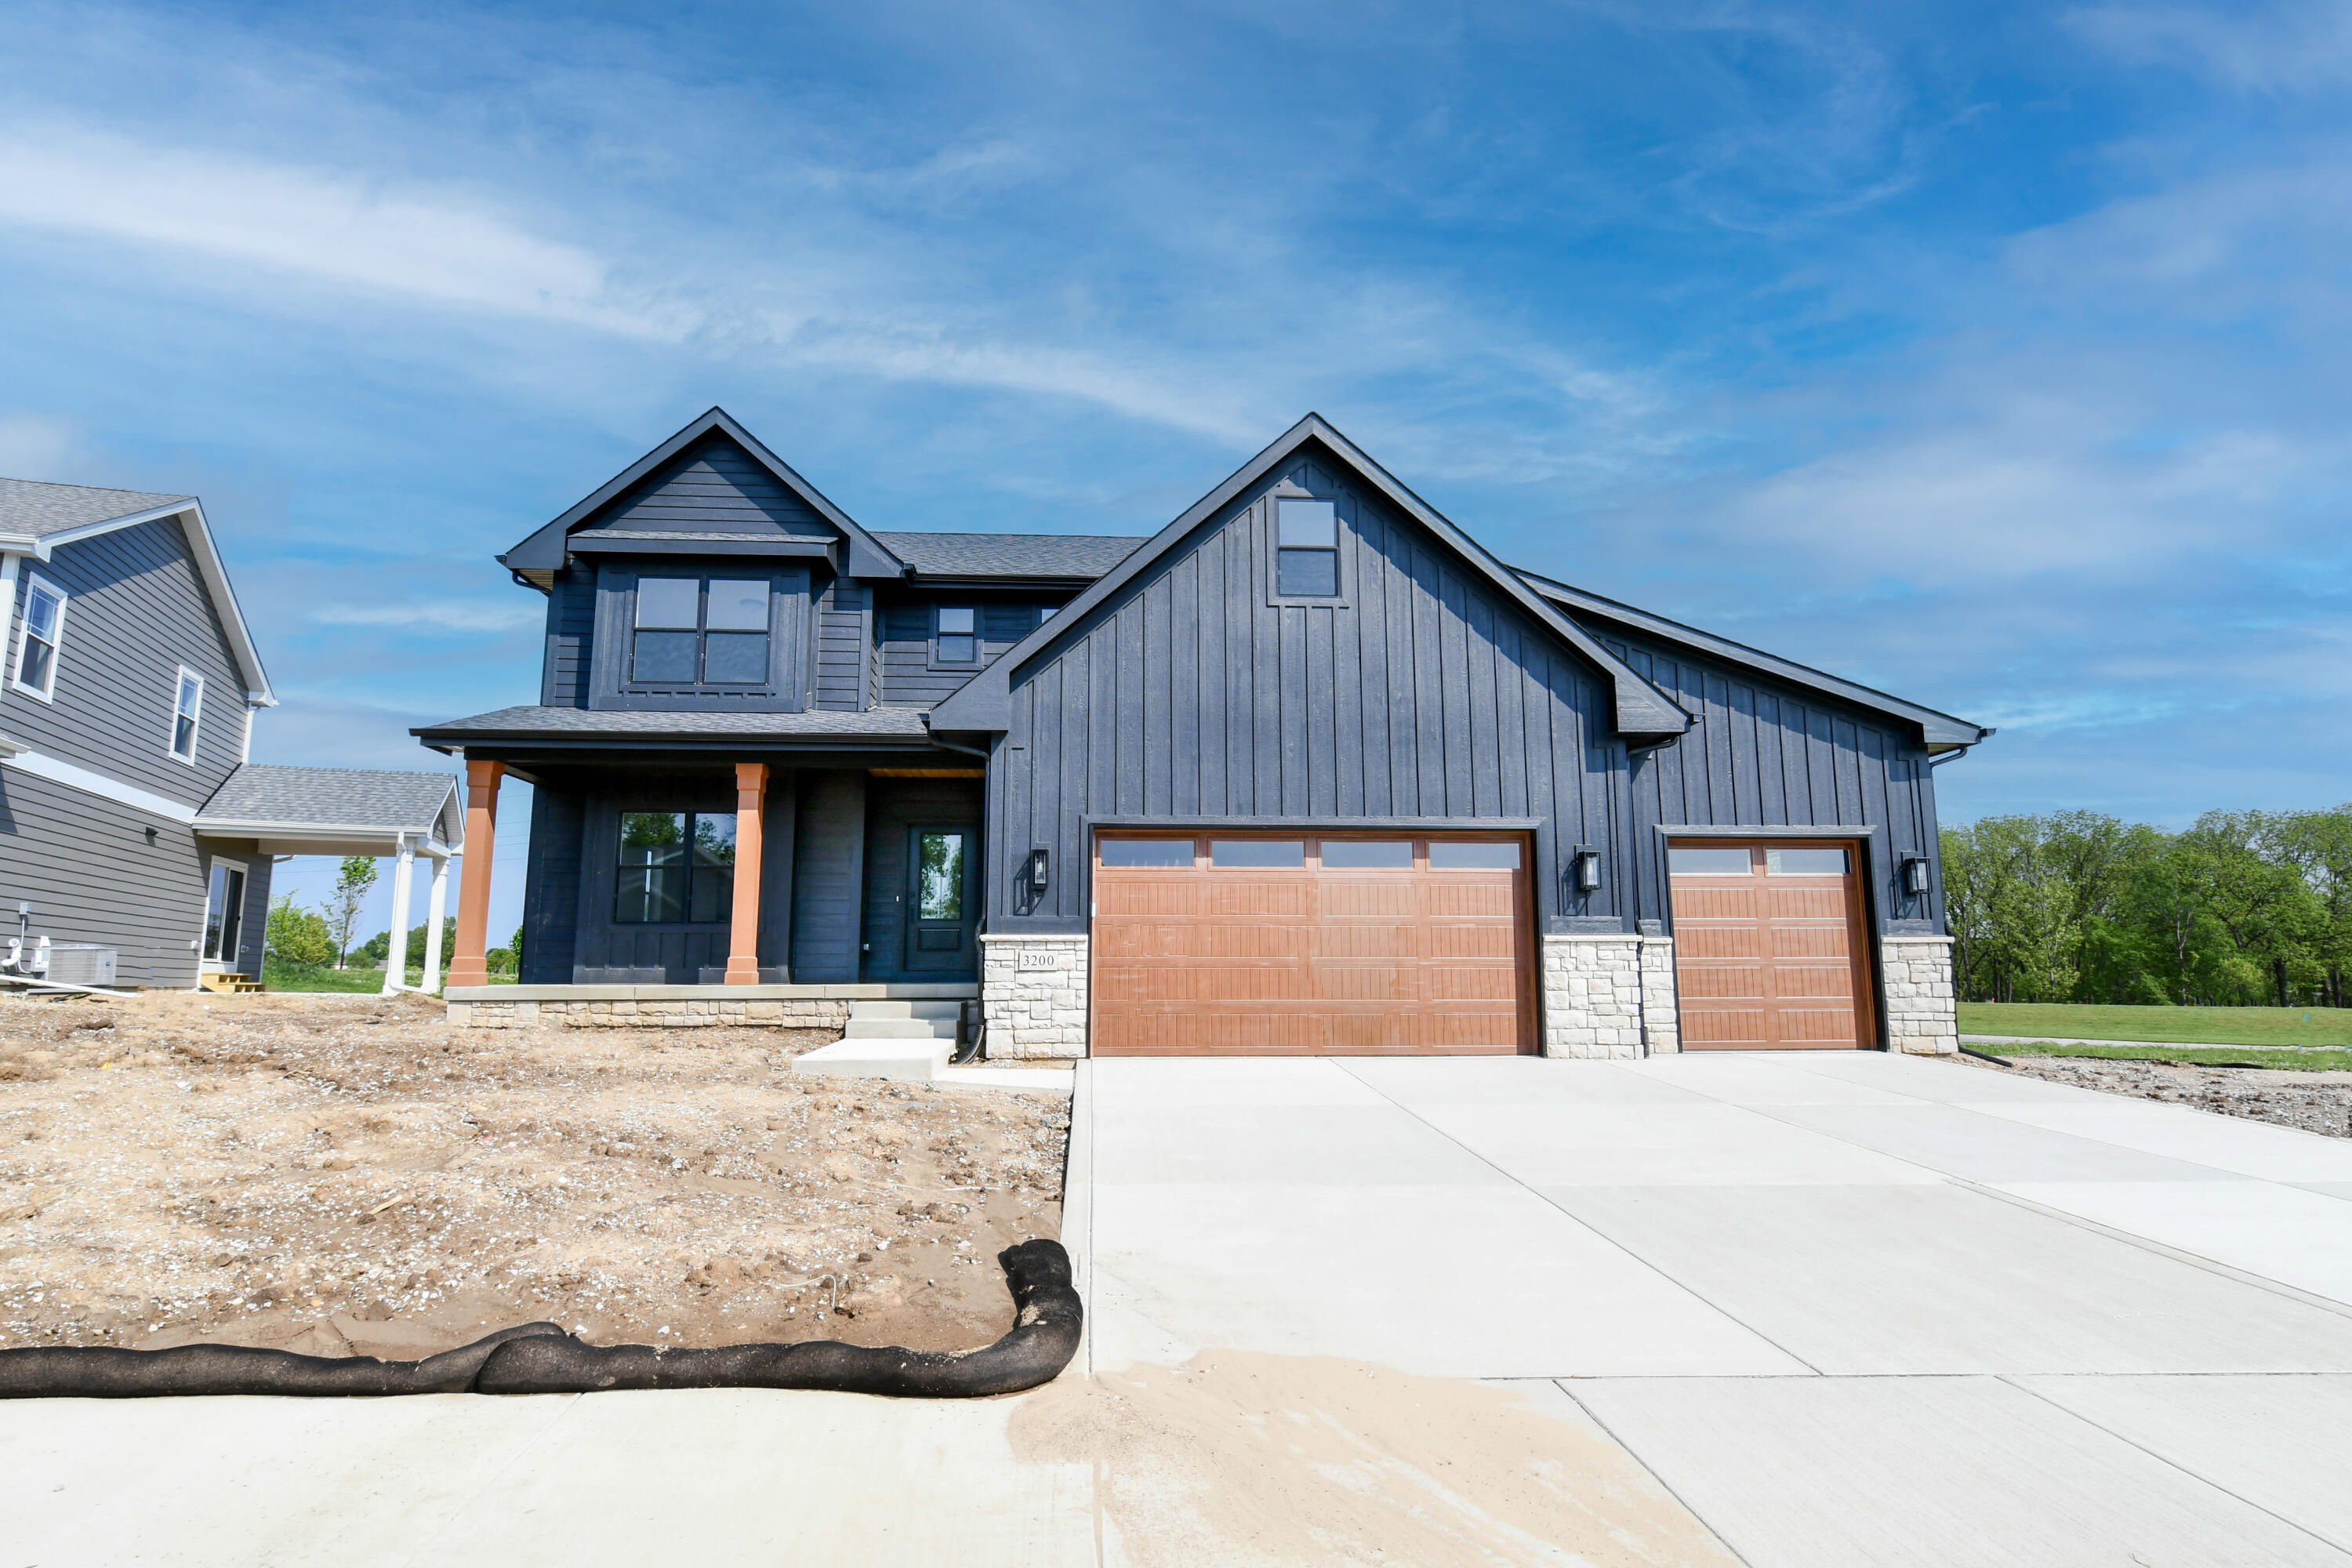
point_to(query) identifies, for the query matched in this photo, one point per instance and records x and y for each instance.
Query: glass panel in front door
(938, 876)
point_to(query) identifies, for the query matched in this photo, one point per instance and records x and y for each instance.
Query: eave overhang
(1939, 732)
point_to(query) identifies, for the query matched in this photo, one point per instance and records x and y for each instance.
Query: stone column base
(1592, 996)
(1923, 1015)
(1662, 1028)
(1033, 991)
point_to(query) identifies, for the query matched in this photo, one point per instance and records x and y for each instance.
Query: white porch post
(433, 932)
(396, 967)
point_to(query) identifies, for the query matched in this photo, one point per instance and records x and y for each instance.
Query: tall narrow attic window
(37, 644)
(1307, 549)
(187, 704)
(959, 634)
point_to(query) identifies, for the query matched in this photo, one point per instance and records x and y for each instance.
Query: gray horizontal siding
(136, 610)
(828, 878)
(905, 638)
(715, 487)
(550, 895)
(87, 866)
(571, 640)
(1423, 695)
(1763, 756)
(841, 639)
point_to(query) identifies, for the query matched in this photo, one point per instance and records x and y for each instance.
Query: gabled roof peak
(1643, 713)
(544, 551)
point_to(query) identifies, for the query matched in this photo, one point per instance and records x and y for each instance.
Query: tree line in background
(2243, 909)
(321, 938)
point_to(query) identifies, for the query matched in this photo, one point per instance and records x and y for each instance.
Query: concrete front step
(899, 1029)
(910, 1061)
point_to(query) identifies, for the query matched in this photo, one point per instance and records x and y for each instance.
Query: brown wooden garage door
(1768, 946)
(1268, 943)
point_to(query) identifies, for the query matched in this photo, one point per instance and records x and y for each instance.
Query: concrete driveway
(1851, 1309)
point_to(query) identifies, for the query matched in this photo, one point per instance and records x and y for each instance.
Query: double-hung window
(37, 642)
(677, 867)
(700, 631)
(187, 704)
(958, 635)
(1307, 549)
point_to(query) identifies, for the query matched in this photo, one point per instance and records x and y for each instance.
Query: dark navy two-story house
(1307, 770)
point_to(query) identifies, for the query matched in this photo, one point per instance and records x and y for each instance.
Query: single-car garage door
(1768, 951)
(1265, 944)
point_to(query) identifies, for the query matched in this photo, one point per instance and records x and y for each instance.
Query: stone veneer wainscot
(1922, 1009)
(1033, 991)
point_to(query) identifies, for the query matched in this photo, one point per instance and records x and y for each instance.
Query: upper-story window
(958, 635)
(711, 631)
(187, 704)
(37, 640)
(1307, 549)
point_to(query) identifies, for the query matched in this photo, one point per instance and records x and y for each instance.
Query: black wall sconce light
(1584, 871)
(1039, 862)
(1915, 874)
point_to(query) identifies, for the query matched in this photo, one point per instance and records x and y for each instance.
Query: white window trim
(204, 913)
(196, 725)
(25, 629)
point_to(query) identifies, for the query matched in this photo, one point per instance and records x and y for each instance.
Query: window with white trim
(1307, 549)
(187, 705)
(38, 640)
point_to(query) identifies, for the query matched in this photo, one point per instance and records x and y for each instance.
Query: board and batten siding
(136, 610)
(1765, 755)
(1422, 695)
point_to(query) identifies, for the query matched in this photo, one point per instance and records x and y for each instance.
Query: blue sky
(1991, 355)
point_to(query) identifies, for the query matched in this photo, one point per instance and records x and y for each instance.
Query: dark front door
(942, 901)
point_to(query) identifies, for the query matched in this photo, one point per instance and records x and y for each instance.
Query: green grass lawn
(2190, 1026)
(279, 976)
(2294, 1061)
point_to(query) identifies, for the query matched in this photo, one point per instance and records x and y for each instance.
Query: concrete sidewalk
(1853, 1308)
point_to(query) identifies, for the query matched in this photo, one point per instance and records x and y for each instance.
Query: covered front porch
(772, 871)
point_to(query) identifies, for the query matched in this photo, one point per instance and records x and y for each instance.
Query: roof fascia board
(545, 548)
(984, 702)
(589, 544)
(191, 513)
(1937, 728)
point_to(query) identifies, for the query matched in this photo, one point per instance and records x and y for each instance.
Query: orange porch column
(466, 965)
(743, 946)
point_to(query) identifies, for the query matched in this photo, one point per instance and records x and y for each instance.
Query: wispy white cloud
(437, 247)
(464, 615)
(2299, 46)
(43, 447)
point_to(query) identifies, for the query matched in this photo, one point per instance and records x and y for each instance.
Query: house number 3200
(1037, 961)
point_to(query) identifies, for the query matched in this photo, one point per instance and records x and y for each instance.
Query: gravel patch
(2315, 1101)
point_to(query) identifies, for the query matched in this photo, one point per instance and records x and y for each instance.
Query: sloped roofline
(544, 550)
(1941, 731)
(209, 565)
(1642, 711)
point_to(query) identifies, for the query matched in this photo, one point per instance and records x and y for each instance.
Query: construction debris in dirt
(339, 1175)
(2315, 1101)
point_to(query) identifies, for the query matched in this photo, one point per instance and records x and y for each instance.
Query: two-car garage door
(1268, 943)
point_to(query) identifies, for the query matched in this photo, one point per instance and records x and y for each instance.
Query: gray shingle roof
(880, 723)
(328, 797)
(32, 508)
(1010, 554)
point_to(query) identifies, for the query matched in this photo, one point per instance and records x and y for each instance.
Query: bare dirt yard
(2315, 1101)
(349, 1175)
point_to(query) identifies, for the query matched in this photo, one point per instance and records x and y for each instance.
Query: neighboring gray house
(129, 817)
